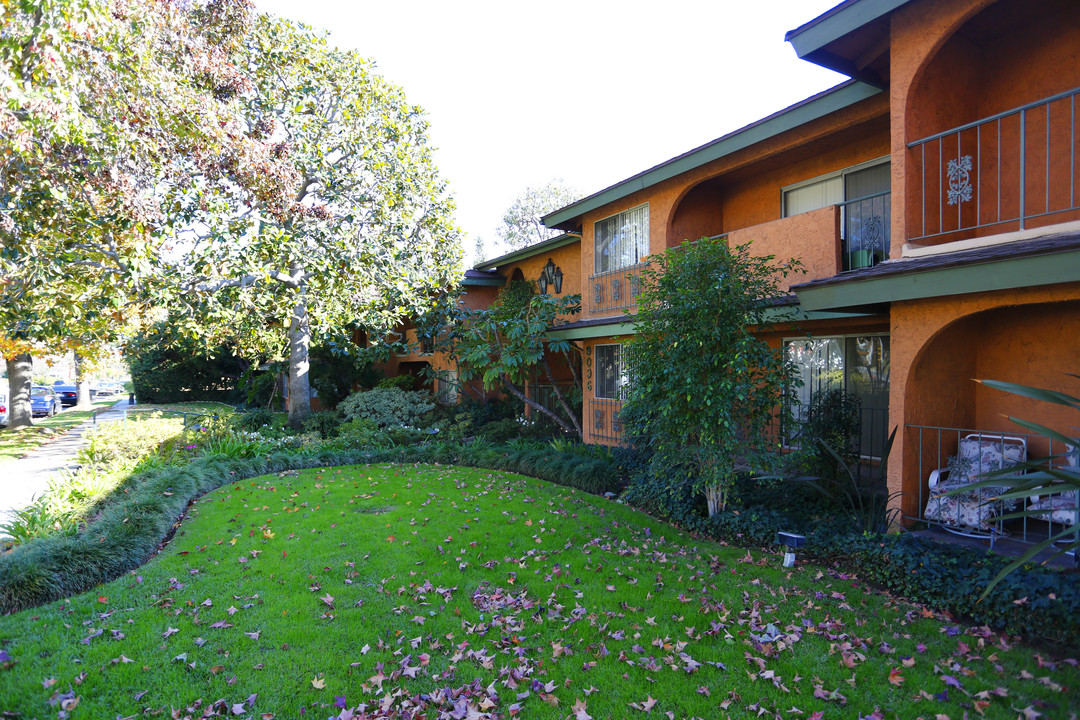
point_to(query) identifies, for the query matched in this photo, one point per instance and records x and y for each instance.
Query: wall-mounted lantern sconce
(550, 276)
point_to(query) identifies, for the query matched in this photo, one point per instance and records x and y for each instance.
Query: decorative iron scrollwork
(959, 172)
(598, 293)
(635, 285)
(872, 235)
(598, 418)
(616, 289)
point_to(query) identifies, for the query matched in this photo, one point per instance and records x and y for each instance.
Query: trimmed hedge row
(132, 525)
(1034, 601)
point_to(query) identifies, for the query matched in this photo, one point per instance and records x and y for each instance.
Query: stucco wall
(957, 62)
(812, 237)
(940, 346)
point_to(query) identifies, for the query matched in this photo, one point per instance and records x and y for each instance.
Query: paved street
(22, 479)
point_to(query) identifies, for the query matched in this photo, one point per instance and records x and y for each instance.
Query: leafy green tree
(521, 221)
(503, 345)
(167, 367)
(104, 103)
(362, 232)
(703, 388)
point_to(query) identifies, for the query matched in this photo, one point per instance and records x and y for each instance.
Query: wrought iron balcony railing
(1004, 170)
(613, 290)
(866, 230)
(949, 460)
(602, 419)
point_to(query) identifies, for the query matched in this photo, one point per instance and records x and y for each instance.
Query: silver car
(3, 408)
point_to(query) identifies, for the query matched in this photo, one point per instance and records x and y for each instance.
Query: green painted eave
(527, 252)
(596, 331)
(838, 22)
(808, 110)
(484, 282)
(797, 313)
(1004, 274)
(773, 315)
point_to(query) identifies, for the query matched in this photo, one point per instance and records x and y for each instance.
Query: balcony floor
(1002, 546)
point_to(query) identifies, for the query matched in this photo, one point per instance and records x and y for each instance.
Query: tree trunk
(299, 364)
(20, 379)
(716, 496)
(562, 399)
(535, 405)
(82, 383)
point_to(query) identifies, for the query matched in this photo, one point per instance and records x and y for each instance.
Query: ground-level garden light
(790, 541)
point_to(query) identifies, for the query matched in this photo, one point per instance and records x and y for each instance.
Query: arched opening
(699, 213)
(1027, 344)
(992, 142)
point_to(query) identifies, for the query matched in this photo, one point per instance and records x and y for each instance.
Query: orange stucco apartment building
(934, 200)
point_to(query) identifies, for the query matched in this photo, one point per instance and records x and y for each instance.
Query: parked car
(3, 408)
(105, 389)
(69, 394)
(43, 401)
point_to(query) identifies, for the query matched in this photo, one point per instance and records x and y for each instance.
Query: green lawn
(16, 443)
(472, 592)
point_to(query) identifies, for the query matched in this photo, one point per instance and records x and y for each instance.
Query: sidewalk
(23, 479)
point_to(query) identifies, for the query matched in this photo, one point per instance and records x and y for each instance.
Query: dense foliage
(506, 345)
(109, 108)
(362, 232)
(704, 389)
(167, 368)
(388, 407)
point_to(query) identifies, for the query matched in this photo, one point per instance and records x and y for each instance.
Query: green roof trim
(806, 111)
(526, 252)
(1004, 274)
(596, 331)
(838, 22)
(484, 282)
(801, 314)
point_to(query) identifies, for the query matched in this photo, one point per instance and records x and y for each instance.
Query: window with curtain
(611, 382)
(858, 365)
(621, 240)
(864, 192)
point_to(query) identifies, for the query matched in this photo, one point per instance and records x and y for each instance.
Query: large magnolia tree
(353, 229)
(103, 101)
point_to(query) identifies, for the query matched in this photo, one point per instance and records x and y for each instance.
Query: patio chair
(1063, 507)
(973, 512)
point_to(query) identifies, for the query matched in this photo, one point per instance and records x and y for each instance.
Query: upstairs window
(621, 240)
(863, 191)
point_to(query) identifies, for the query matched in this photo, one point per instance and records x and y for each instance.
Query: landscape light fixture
(790, 541)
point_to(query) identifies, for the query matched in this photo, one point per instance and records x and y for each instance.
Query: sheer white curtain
(621, 240)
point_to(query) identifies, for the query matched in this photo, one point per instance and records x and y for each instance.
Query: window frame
(642, 255)
(884, 159)
(622, 381)
(843, 338)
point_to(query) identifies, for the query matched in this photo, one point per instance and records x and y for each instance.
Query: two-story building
(933, 200)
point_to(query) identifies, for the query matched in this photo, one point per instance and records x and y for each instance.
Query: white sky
(520, 93)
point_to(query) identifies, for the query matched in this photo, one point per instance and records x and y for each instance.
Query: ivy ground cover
(441, 592)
